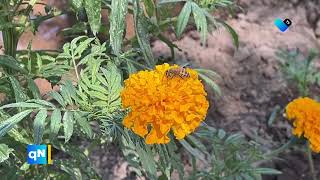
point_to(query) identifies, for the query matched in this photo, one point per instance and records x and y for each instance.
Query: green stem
(310, 161)
(282, 148)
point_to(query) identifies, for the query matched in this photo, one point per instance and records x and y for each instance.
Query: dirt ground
(252, 83)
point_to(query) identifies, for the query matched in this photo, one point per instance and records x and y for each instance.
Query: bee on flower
(166, 105)
(177, 72)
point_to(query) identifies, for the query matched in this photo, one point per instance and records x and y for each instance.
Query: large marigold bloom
(160, 104)
(305, 113)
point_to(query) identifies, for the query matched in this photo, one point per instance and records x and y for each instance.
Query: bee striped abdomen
(177, 72)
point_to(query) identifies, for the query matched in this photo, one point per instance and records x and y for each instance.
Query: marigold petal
(305, 114)
(164, 104)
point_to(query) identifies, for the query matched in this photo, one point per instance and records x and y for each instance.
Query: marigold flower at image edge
(159, 104)
(305, 114)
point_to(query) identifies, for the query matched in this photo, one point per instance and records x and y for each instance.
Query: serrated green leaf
(82, 46)
(8, 124)
(74, 44)
(22, 105)
(149, 6)
(141, 28)
(57, 97)
(233, 33)
(99, 95)
(34, 89)
(95, 64)
(71, 90)
(5, 152)
(55, 123)
(183, 18)
(70, 168)
(12, 63)
(211, 83)
(65, 94)
(19, 93)
(132, 69)
(99, 88)
(147, 159)
(234, 138)
(119, 10)
(192, 150)
(42, 102)
(38, 126)
(68, 125)
(200, 19)
(197, 143)
(84, 124)
(208, 72)
(93, 9)
(19, 136)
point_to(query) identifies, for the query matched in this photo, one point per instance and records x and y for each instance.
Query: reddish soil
(252, 83)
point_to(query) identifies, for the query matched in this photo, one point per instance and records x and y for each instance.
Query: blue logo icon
(39, 154)
(282, 25)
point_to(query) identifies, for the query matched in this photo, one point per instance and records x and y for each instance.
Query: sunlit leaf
(200, 19)
(68, 125)
(93, 9)
(19, 136)
(117, 24)
(55, 122)
(38, 125)
(5, 152)
(183, 18)
(147, 159)
(84, 124)
(141, 28)
(149, 6)
(10, 62)
(19, 93)
(34, 89)
(8, 124)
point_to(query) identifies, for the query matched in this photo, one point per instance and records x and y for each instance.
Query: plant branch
(310, 161)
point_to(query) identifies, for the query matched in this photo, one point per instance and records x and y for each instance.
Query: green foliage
(10, 62)
(5, 152)
(39, 123)
(299, 69)
(215, 3)
(183, 18)
(93, 9)
(208, 77)
(232, 156)
(202, 18)
(117, 24)
(143, 36)
(8, 124)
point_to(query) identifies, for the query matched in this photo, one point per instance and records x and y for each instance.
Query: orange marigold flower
(160, 104)
(305, 113)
